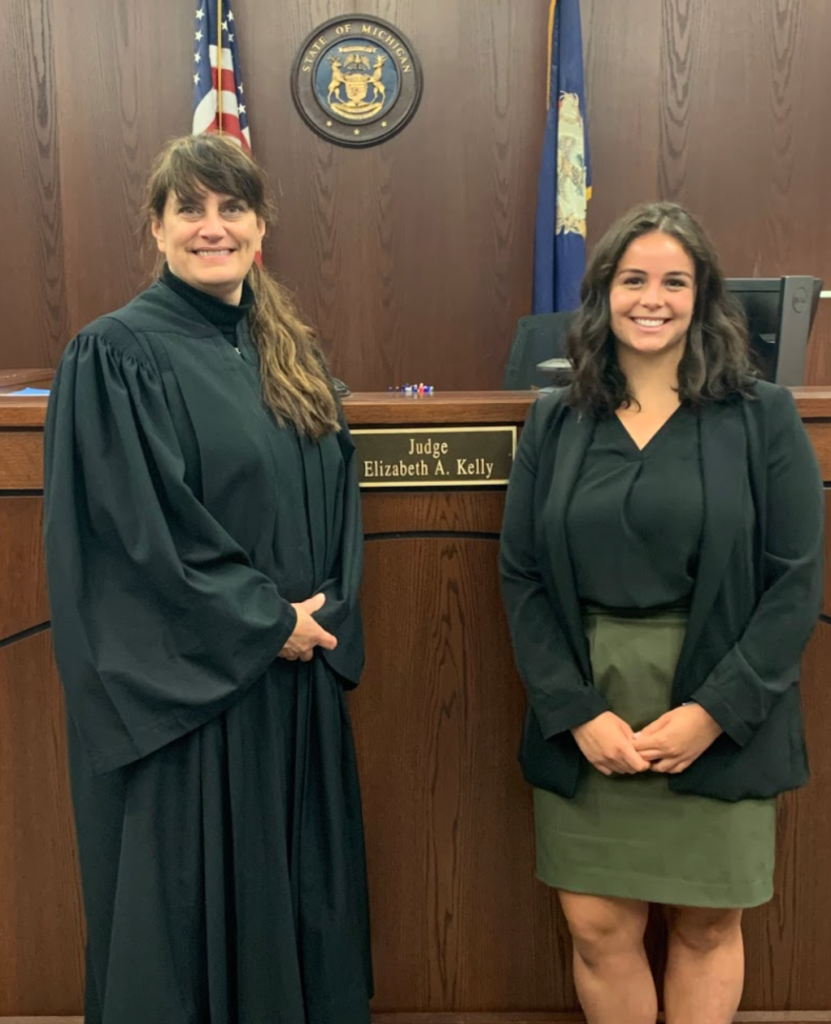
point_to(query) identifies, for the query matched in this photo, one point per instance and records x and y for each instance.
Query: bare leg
(705, 965)
(611, 972)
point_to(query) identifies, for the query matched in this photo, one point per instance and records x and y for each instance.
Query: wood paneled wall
(722, 107)
(413, 257)
(461, 929)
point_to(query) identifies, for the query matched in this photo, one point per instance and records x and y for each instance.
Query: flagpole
(219, 64)
(552, 9)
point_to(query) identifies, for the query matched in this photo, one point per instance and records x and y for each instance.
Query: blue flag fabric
(564, 186)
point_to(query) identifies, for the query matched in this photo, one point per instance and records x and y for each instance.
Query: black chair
(536, 339)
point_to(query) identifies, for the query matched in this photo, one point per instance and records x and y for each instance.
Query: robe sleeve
(743, 687)
(341, 614)
(160, 621)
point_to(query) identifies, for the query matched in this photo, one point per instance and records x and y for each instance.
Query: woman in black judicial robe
(204, 553)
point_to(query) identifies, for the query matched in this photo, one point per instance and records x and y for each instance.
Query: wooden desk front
(460, 926)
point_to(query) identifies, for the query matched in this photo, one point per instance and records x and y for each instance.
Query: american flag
(215, 31)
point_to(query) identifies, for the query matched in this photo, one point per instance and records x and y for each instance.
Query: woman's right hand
(609, 744)
(307, 634)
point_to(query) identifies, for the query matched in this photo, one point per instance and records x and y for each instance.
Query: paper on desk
(25, 393)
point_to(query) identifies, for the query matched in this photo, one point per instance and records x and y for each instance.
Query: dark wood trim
(819, 432)
(368, 408)
(21, 459)
(752, 1017)
(22, 412)
(11, 380)
(803, 1017)
(748, 1017)
(41, 1020)
(41, 627)
(745, 1017)
(826, 601)
(813, 403)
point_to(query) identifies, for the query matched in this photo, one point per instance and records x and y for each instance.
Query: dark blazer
(756, 598)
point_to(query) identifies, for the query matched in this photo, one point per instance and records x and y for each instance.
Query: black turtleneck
(222, 315)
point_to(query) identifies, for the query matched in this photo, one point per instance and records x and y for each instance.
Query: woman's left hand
(672, 742)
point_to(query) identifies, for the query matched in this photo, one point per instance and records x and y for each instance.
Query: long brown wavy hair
(716, 362)
(296, 382)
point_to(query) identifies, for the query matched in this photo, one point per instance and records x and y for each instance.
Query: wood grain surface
(14, 380)
(820, 434)
(826, 607)
(413, 258)
(813, 403)
(623, 52)
(460, 925)
(41, 924)
(23, 602)
(717, 106)
(21, 459)
(437, 511)
(459, 922)
(379, 408)
(787, 941)
(22, 412)
(806, 1017)
(547, 1017)
(818, 358)
(444, 407)
(34, 288)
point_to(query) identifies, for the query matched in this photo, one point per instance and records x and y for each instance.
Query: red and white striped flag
(218, 108)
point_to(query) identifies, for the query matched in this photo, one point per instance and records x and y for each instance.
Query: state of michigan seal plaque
(356, 81)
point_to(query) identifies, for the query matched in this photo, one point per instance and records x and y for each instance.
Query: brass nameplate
(435, 456)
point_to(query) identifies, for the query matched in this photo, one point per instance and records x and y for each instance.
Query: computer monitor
(780, 312)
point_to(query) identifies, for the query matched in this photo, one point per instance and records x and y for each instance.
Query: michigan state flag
(564, 187)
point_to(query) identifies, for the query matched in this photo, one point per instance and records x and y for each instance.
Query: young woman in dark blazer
(661, 569)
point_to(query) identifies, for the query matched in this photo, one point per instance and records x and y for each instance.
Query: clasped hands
(307, 633)
(668, 745)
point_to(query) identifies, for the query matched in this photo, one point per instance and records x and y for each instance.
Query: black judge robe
(214, 785)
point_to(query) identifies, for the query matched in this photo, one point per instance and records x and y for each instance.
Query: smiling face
(652, 295)
(209, 241)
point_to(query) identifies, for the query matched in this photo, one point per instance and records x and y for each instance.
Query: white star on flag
(217, 93)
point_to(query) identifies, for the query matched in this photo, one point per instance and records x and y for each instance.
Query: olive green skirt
(629, 835)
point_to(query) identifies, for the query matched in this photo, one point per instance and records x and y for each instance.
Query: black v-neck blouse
(635, 518)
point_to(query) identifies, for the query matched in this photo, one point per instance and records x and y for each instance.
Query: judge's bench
(462, 932)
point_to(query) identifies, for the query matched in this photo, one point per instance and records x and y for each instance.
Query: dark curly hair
(716, 362)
